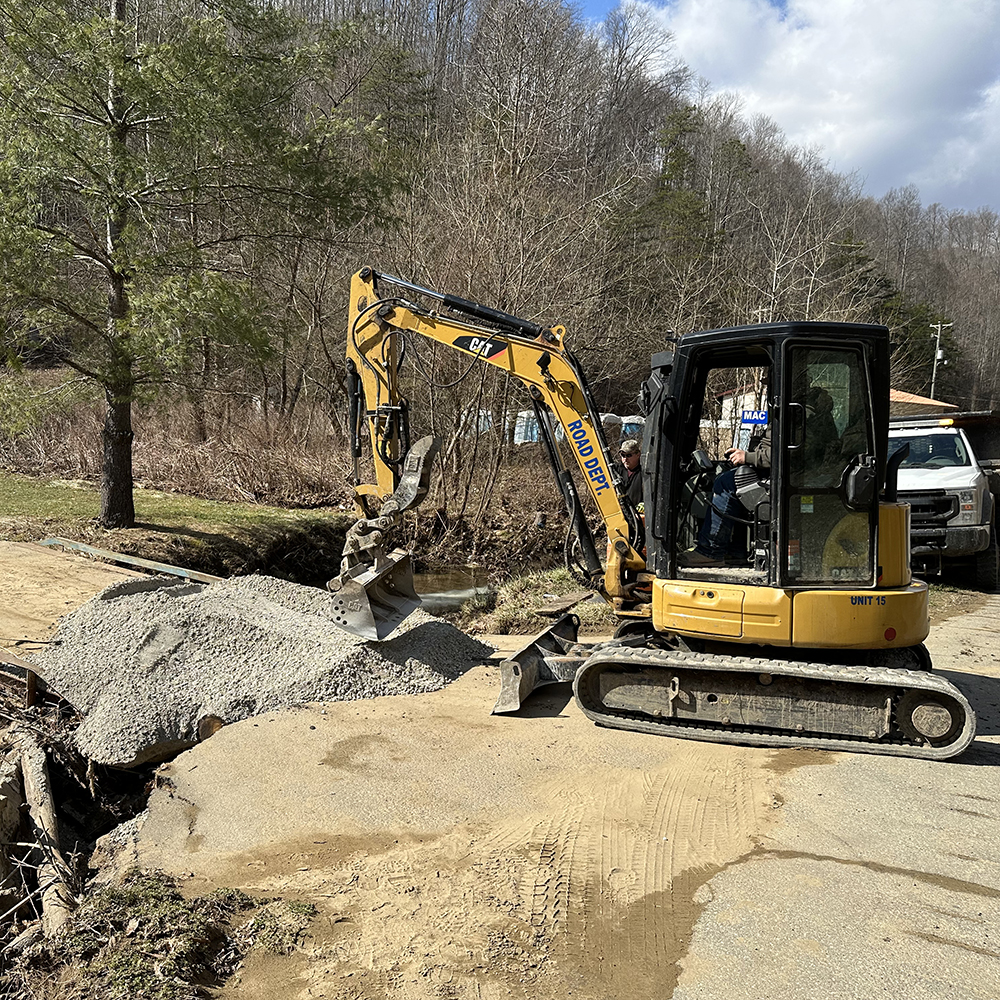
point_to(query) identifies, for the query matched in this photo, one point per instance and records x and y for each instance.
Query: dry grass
(234, 452)
(510, 610)
(141, 938)
(206, 535)
(230, 450)
(947, 600)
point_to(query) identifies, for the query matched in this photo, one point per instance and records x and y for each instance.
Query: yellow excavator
(807, 629)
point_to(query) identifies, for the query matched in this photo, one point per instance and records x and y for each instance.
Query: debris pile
(147, 668)
(37, 881)
(140, 936)
(146, 662)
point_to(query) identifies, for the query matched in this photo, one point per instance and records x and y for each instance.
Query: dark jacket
(633, 485)
(760, 457)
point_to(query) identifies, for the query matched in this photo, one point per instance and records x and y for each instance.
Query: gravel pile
(145, 660)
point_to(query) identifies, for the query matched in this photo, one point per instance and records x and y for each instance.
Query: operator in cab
(715, 536)
(821, 448)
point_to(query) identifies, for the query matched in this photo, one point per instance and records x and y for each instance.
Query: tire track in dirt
(611, 876)
(596, 896)
(661, 836)
(548, 886)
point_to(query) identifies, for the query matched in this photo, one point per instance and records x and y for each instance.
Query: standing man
(633, 470)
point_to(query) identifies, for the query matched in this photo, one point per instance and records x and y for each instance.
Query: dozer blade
(370, 602)
(546, 659)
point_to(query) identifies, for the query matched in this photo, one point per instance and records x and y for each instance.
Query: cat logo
(481, 346)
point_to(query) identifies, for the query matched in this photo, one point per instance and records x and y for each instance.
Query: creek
(447, 590)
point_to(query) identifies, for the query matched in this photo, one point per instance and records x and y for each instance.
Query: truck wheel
(988, 563)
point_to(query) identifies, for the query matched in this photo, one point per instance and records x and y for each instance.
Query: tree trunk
(117, 506)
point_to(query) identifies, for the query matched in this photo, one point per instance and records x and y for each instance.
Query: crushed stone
(146, 659)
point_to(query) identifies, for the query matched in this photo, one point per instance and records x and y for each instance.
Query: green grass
(55, 499)
(24, 497)
(208, 535)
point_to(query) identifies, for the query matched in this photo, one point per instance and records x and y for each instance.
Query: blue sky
(596, 9)
(895, 91)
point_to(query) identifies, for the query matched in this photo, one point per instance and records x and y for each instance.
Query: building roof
(911, 399)
(909, 404)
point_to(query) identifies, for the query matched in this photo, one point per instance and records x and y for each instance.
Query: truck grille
(932, 508)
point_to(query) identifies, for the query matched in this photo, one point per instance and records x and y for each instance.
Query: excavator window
(828, 432)
(794, 514)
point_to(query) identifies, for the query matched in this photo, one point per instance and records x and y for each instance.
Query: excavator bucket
(370, 602)
(547, 659)
(374, 591)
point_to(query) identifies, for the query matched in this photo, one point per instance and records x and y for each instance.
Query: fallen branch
(24, 940)
(57, 899)
(11, 801)
(19, 904)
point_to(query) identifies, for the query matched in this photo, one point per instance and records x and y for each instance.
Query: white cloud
(901, 91)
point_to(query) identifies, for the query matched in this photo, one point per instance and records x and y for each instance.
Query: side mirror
(644, 399)
(859, 486)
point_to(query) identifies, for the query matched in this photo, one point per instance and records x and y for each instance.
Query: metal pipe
(408, 285)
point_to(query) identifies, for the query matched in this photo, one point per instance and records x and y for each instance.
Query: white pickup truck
(950, 480)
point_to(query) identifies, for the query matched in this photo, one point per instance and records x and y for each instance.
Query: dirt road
(38, 585)
(456, 855)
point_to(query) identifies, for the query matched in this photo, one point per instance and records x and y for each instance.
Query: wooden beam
(57, 899)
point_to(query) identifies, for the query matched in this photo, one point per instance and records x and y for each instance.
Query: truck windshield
(932, 451)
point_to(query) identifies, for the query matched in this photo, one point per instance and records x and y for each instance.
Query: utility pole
(938, 353)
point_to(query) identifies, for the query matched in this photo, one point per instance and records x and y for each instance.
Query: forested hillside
(185, 190)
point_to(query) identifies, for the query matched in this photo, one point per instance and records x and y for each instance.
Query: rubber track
(893, 677)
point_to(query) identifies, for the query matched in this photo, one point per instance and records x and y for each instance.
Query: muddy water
(446, 591)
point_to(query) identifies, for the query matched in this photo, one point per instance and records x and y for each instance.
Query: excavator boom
(386, 314)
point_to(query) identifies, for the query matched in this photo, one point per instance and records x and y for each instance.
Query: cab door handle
(796, 425)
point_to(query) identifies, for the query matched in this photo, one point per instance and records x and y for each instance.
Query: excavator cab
(808, 517)
(805, 627)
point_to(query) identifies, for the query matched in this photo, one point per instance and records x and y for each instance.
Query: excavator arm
(386, 316)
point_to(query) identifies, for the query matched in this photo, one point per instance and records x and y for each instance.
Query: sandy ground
(458, 854)
(453, 854)
(38, 585)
